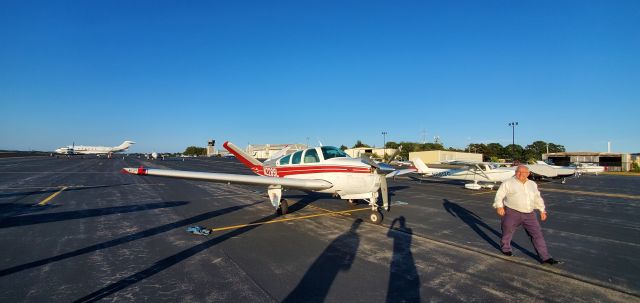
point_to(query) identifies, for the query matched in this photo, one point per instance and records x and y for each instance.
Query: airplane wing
(309, 184)
(399, 172)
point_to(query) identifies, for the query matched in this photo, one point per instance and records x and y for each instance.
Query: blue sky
(170, 74)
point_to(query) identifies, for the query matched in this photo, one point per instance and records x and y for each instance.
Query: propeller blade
(385, 192)
(393, 156)
(367, 160)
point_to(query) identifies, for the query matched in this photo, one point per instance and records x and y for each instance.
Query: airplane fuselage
(351, 178)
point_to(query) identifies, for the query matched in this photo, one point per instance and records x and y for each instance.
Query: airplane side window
(329, 152)
(285, 160)
(297, 156)
(311, 156)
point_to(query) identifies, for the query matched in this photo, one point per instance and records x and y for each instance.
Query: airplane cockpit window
(297, 156)
(329, 152)
(311, 156)
(284, 160)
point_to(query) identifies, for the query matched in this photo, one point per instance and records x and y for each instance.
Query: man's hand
(500, 211)
(543, 215)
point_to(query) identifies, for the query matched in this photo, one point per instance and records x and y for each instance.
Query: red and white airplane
(324, 169)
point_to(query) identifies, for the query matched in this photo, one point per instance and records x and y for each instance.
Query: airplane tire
(375, 217)
(284, 206)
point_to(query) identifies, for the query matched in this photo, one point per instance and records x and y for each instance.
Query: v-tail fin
(251, 162)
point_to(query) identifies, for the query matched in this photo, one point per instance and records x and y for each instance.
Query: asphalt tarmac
(77, 230)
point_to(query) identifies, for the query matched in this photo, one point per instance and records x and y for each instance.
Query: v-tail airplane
(324, 169)
(93, 150)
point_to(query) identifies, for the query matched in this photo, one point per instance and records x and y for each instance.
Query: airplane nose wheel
(375, 217)
(284, 207)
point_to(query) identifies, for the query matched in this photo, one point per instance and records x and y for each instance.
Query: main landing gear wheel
(375, 217)
(284, 207)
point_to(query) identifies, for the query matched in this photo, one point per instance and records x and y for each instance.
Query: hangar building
(610, 161)
(440, 156)
(357, 152)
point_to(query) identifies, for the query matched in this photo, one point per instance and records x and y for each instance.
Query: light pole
(384, 143)
(513, 139)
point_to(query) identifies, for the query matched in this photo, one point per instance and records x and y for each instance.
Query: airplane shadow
(338, 256)
(167, 262)
(81, 214)
(476, 224)
(128, 238)
(56, 189)
(404, 281)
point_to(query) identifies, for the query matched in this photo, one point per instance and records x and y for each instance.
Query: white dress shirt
(524, 198)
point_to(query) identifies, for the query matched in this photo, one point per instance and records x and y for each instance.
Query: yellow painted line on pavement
(289, 219)
(45, 201)
(323, 209)
(484, 193)
(591, 193)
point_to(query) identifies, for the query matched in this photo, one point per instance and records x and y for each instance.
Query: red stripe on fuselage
(283, 171)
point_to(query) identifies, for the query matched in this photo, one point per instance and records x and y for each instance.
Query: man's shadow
(338, 256)
(475, 222)
(404, 281)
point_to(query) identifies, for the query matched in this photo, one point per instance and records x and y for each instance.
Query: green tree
(360, 144)
(391, 144)
(343, 147)
(513, 152)
(195, 151)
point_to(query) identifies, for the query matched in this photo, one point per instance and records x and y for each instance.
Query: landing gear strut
(284, 207)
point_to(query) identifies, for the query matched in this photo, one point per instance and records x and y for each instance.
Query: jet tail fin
(124, 145)
(251, 162)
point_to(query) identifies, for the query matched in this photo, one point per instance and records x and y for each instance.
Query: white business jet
(482, 175)
(324, 169)
(93, 150)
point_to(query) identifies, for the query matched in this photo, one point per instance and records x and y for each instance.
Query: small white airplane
(324, 169)
(93, 150)
(542, 170)
(589, 168)
(483, 175)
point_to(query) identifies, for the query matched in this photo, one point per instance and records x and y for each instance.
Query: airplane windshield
(329, 152)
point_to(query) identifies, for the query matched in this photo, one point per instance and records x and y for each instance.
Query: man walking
(515, 202)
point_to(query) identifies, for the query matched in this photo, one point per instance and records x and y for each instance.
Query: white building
(357, 152)
(264, 151)
(439, 156)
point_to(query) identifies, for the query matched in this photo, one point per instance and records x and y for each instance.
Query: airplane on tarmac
(93, 150)
(324, 169)
(589, 168)
(542, 170)
(485, 173)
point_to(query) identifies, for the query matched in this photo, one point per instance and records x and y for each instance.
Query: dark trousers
(512, 220)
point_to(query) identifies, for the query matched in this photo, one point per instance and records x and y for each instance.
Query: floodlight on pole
(513, 139)
(384, 143)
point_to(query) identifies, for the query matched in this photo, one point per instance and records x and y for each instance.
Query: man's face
(522, 173)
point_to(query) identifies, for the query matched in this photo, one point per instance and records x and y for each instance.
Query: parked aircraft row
(328, 169)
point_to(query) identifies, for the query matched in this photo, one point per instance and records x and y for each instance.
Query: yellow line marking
(591, 193)
(289, 219)
(44, 202)
(484, 193)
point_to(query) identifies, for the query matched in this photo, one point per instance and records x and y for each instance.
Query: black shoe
(507, 253)
(551, 261)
